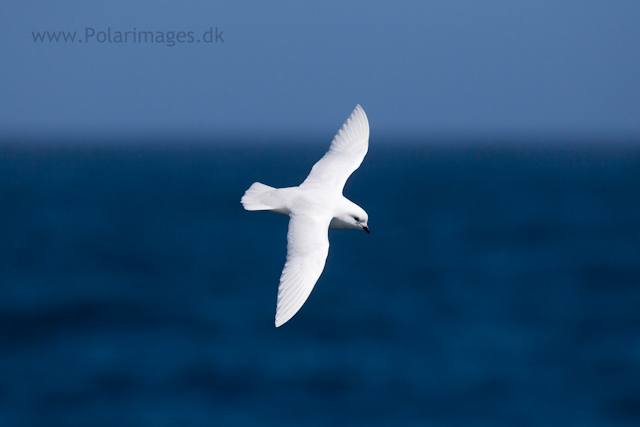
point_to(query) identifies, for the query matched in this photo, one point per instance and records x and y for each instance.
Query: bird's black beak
(365, 228)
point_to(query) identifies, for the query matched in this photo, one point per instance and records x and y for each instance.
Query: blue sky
(290, 67)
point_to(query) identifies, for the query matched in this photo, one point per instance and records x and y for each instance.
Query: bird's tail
(255, 198)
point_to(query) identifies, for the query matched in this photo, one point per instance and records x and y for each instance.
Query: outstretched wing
(307, 249)
(345, 155)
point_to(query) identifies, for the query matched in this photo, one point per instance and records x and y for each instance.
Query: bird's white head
(351, 217)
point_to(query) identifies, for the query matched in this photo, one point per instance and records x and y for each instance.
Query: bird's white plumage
(345, 154)
(307, 249)
(311, 207)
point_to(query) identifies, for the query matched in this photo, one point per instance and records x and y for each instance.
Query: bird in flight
(313, 207)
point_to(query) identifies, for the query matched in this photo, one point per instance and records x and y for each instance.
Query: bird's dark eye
(356, 218)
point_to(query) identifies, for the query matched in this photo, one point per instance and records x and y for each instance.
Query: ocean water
(500, 286)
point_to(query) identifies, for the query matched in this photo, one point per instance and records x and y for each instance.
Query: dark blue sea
(500, 286)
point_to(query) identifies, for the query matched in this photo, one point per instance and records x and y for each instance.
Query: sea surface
(500, 286)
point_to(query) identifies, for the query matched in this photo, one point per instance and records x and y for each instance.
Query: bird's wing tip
(282, 320)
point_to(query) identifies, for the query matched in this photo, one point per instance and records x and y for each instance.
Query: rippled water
(500, 286)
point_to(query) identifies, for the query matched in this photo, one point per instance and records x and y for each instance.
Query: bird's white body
(313, 207)
(322, 202)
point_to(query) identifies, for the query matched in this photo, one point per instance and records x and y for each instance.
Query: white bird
(313, 207)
